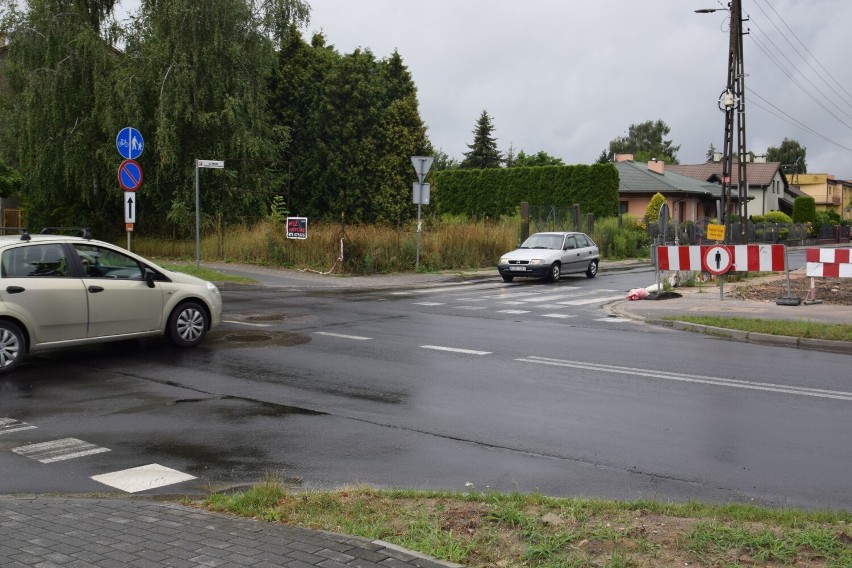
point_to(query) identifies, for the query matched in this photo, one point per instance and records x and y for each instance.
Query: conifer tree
(483, 152)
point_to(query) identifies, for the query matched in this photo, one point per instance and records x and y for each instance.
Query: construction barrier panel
(829, 262)
(740, 258)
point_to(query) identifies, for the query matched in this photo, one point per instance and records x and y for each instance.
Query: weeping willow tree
(191, 76)
(201, 72)
(56, 65)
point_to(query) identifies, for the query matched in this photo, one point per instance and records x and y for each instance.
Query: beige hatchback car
(60, 291)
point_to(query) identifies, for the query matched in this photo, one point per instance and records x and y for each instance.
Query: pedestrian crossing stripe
(514, 311)
(9, 425)
(587, 301)
(428, 303)
(142, 478)
(58, 450)
(562, 316)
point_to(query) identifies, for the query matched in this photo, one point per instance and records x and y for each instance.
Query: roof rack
(25, 234)
(85, 232)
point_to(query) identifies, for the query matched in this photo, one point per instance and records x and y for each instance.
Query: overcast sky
(567, 77)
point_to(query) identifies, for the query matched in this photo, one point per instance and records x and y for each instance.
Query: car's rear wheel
(592, 271)
(188, 324)
(508, 278)
(555, 272)
(12, 346)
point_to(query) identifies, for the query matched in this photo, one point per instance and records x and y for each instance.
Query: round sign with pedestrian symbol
(717, 260)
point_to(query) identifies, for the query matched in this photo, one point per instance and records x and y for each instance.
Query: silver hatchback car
(550, 255)
(60, 291)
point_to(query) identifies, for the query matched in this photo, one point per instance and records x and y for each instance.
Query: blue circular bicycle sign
(129, 143)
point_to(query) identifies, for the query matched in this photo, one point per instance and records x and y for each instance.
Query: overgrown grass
(792, 328)
(445, 244)
(496, 529)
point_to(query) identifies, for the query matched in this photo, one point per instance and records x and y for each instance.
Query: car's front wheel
(188, 324)
(592, 271)
(508, 278)
(555, 272)
(12, 346)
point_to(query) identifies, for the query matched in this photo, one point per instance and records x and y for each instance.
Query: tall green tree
(483, 151)
(711, 152)
(58, 68)
(791, 154)
(201, 74)
(646, 141)
(355, 123)
(540, 158)
(443, 161)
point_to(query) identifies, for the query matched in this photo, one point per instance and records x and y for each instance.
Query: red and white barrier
(744, 258)
(829, 262)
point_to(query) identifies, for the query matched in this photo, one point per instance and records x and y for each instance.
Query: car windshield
(543, 242)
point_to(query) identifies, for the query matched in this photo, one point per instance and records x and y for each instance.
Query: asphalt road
(519, 386)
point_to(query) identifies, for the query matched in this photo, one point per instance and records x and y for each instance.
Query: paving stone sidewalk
(111, 533)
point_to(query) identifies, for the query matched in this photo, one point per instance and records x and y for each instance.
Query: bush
(804, 209)
(772, 217)
(628, 241)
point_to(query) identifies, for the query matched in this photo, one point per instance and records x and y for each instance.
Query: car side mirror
(149, 277)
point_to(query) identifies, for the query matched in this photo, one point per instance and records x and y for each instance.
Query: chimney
(657, 166)
(623, 158)
(717, 156)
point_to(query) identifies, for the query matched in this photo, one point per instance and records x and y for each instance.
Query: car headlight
(212, 287)
(503, 260)
(535, 261)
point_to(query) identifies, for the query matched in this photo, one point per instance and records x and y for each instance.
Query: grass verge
(208, 273)
(507, 530)
(791, 328)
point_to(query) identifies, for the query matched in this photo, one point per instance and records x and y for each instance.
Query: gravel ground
(837, 291)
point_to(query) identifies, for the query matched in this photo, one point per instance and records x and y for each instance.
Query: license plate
(518, 268)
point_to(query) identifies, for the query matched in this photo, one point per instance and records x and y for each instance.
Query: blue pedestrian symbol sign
(129, 143)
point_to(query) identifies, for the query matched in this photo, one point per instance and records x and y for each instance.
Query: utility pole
(731, 102)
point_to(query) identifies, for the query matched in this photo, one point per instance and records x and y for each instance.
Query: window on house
(623, 207)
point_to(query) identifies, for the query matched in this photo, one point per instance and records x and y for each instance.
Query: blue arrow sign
(129, 143)
(130, 175)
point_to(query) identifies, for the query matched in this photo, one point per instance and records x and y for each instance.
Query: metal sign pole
(419, 200)
(197, 222)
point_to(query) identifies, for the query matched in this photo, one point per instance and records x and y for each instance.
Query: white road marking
(428, 303)
(521, 294)
(614, 320)
(342, 336)
(455, 350)
(470, 307)
(58, 450)
(587, 301)
(561, 316)
(460, 287)
(513, 311)
(142, 478)
(683, 377)
(248, 323)
(9, 425)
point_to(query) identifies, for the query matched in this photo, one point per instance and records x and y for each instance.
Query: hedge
(496, 192)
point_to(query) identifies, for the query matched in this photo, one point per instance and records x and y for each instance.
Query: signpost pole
(129, 144)
(197, 222)
(216, 164)
(421, 167)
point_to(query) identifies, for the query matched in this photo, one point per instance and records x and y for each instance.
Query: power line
(793, 121)
(812, 56)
